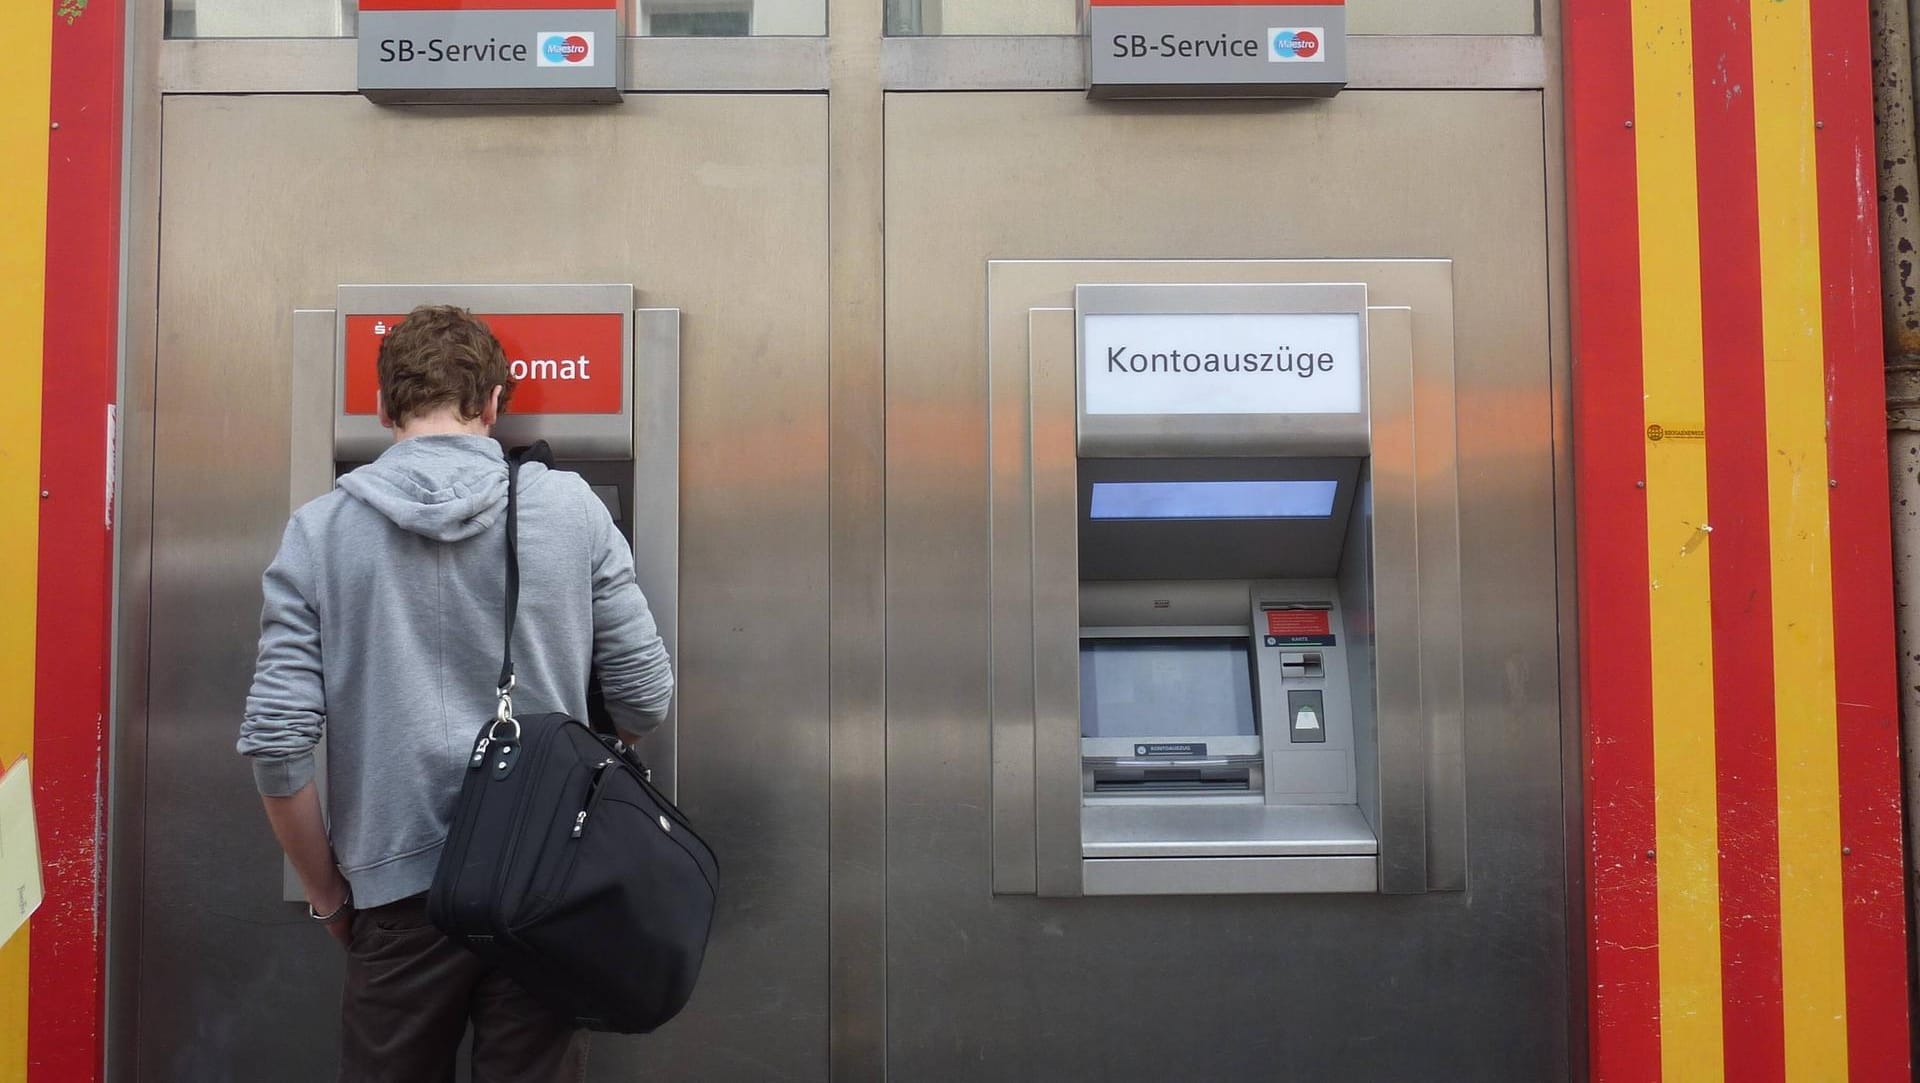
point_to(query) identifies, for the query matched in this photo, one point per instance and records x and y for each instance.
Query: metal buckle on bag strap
(503, 714)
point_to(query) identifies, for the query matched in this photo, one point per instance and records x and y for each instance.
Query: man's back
(383, 622)
(382, 631)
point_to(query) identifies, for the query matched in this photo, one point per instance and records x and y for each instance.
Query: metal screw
(1833, 483)
(1629, 123)
(1639, 484)
(1819, 123)
(1649, 855)
(1846, 851)
(56, 125)
(44, 494)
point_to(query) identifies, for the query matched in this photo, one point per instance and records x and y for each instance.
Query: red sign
(1298, 622)
(564, 362)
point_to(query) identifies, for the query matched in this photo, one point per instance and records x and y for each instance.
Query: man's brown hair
(441, 354)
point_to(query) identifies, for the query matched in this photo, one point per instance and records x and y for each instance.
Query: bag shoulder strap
(540, 453)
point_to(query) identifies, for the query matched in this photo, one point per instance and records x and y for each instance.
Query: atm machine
(1232, 534)
(598, 379)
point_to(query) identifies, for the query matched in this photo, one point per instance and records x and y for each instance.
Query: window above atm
(999, 18)
(644, 18)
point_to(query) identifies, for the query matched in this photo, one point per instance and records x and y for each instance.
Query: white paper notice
(1223, 363)
(20, 885)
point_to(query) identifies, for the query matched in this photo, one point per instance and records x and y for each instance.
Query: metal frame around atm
(1036, 803)
(647, 433)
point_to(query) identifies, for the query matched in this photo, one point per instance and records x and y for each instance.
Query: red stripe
(1734, 367)
(489, 5)
(65, 979)
(1872, 880)
(1610, 458)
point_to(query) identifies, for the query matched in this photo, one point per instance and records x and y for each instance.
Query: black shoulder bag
(565, 868)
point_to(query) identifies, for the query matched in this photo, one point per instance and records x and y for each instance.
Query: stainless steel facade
(825, 227)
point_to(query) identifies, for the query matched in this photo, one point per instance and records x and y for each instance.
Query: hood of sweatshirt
(446, 487)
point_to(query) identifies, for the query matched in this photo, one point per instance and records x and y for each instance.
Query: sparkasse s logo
(564, 48)
(1296, 44)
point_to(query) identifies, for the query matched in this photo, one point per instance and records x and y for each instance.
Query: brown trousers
(410, 994)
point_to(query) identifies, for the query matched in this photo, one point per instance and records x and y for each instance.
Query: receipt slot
(598, 379)
(1234, 689)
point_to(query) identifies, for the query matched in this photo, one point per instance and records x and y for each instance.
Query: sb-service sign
(1216, 48)
(489, 51)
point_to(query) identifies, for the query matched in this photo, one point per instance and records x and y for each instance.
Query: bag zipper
(564, 874)
(594, 790)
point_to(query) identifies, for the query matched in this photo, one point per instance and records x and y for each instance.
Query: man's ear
(491, 415)
(380, 409)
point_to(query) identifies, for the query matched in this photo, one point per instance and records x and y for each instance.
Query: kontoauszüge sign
(1216, 48)
(489, 51)
(1223, 363)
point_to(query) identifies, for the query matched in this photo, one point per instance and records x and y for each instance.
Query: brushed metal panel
(1355, 582)
(1441, 645)
(684, 195)
(1477, 979)
(1560, 349)
(1400, 725)
(857, 550)
(125, 888)
(1230, 876)
(1011, 598)
(1223, 830)
(1056, 604)
(310, 391)
(656, 525)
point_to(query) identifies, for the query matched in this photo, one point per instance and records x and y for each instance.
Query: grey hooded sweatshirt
(382, 629)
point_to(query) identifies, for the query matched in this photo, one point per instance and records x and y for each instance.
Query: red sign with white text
(563, 362)
(1298, 622)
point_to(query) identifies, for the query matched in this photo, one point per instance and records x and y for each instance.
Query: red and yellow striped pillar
(1746, 917)
(60, 154)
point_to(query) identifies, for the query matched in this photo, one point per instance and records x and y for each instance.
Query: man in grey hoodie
(381, 629)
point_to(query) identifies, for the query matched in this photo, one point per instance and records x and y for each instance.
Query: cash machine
(1233, 688)
(597, 378)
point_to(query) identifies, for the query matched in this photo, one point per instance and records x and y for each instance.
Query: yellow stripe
(1679, 591)
(1812, 959)
(24, 87)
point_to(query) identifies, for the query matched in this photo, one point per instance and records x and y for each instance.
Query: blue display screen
(1213, 499)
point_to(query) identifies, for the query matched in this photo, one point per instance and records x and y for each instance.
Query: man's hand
(336, 901)
(302, 832)
(341, 930)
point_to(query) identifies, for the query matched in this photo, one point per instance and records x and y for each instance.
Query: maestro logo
(564, 48)
(1296, 44)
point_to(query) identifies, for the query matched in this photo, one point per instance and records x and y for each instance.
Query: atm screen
(1171, 687)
